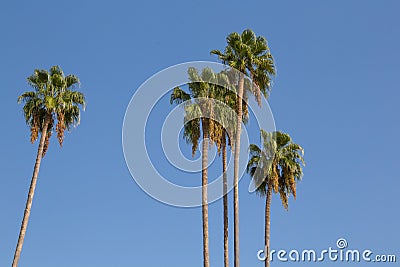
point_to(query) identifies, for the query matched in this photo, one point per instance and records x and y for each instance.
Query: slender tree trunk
(32, 187)
(225, 202)
(268, 225)
(204, 173)
(236, 172)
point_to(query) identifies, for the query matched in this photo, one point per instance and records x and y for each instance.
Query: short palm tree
(250, 55)
(276, 167)
(53, 99)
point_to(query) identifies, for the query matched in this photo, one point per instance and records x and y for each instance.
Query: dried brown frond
(34, 129)
(34, 133)
(60, 128)
(284, 198)
(257, 94)
(46, 143)
(275, 178)
(292, 184)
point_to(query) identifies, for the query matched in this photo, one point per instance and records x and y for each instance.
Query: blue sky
(336, 93)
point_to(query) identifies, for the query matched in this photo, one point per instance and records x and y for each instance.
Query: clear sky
(336, 93)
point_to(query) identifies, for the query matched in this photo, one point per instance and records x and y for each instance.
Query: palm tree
(53, 99)
(250, 55)
(224, 130)
(198, 105)
(226, 118)
(276, 167)
(225, 200)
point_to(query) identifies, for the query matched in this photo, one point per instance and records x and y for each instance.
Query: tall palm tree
(250, 55)
(225, 116)
(276, 167)
(53, 99)
(225, 199)
(198, 105)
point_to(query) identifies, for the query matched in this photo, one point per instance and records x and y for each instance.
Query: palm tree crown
(279, 165)
(250, 55)
(204, 105)
(53, 98)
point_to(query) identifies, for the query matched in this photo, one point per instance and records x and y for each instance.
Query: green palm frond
(71, 81)
(56, 70)
(179, 96)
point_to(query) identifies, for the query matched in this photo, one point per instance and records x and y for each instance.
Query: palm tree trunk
(267, 225)
(204, 173)
(32, 187)
(236, 172)
(225, 201)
